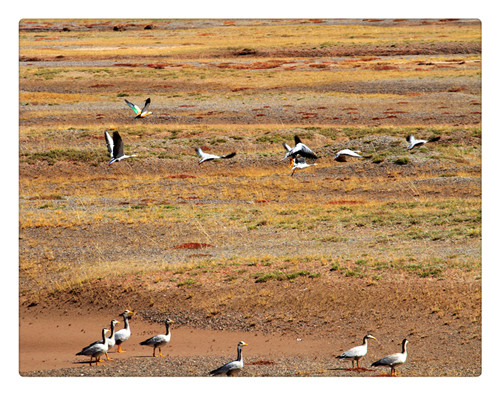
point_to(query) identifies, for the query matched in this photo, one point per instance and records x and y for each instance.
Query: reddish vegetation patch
(344, 202)
(192, 246)
(101, 85)
(319, 65)
(262, 201)
(180, 176)
(317, 20)
(189, 197)
(384, 67)
(186, 105)
(199, 255)
(239, 89)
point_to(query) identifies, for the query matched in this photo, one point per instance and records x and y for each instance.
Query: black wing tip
(148, 100)
(297, 139)
(232, 154)
(434, 139)
(408, 137)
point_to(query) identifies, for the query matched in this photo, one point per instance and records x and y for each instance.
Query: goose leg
(108, 358)
(120, 348)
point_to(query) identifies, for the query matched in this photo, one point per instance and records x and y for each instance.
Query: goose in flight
(299, 149)
(232, 367)
(123, 334)
(140, 113)
(393, 360)
(356, 353)
(342, 155)
(300, 163)
(159, 340)
(96, 349)
(206, 157)
(115, 148)
(412, 142)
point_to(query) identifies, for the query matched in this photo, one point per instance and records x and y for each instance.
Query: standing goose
(111, 339)
(300, 163)
(232, 367)
(356, 353)
(115, 148)
(299, 149)
(140, 113)
(412, 142)
(342, 155)
(393, 360)
(206, 157)
(159, 340)
(123, 334)
(96, 349)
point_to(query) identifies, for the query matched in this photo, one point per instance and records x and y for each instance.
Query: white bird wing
(146, 106)
(109, 143)
(122, 335)
(304, 150)
(136, 109)
(358, 351)
(227, 367)
(155, 340)
(392, 359)
(410, 138)
(287, 147)
(351, 153)
(199, 152)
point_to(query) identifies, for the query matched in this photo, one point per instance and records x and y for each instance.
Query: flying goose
(123, 334)
(232, 367)
(412, 142)
(393, 360)
(342, 155)
(206, 157)
(159, 340)
(356, 353)
(115, 148)
(300, 163)
(299, 149)
(96, 349)
(140, 113)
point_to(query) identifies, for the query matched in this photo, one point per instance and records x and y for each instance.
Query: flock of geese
(101, 347)
(297, 155)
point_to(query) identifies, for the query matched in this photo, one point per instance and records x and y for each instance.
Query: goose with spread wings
(300, 163)
(140, 113)
(299, 149)
(232, 367)
(412, 142)
(206, 157)
(115, 148)
(342, 155)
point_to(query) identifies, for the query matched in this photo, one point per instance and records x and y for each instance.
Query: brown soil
(292, 328)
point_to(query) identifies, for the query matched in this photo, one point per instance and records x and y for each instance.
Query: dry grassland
(160, 233)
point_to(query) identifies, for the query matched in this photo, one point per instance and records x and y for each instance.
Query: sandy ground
(442, 341)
